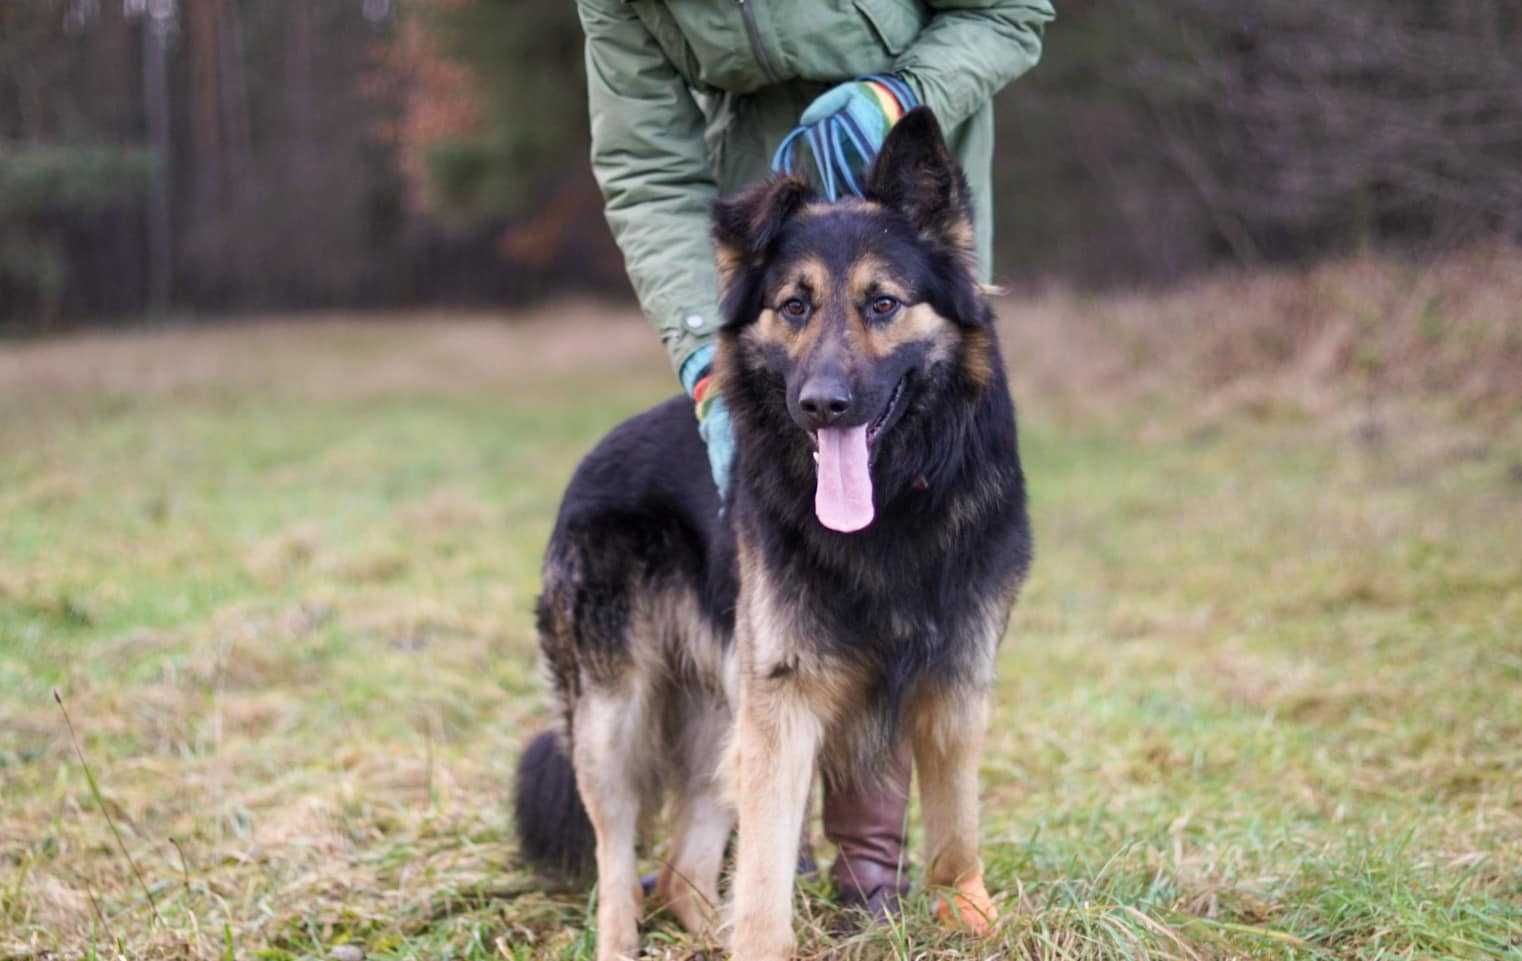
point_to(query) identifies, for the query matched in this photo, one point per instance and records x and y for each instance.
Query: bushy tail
(554, 833)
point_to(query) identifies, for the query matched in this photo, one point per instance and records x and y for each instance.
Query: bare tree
(158, 26)
(1371, 118)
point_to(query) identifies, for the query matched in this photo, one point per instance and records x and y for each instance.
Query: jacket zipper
(754, 33)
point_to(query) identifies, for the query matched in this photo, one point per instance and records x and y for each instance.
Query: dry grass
(1262, 698)
(333, 356)
(1450, 329)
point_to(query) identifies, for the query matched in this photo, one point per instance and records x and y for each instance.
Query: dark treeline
(233, 155)
(211, 154)
(1159, 139)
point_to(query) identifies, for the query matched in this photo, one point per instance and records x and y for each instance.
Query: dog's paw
(967, 907)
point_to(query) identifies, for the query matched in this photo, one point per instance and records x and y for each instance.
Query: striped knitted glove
(871, 104)
(713, 416)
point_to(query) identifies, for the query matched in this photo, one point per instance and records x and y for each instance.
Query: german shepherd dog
(852, 592)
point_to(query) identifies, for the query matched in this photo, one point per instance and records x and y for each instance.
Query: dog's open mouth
(878, 423)
(876, 427)
(843, 482)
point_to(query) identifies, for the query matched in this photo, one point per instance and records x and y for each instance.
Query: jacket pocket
(896, 23)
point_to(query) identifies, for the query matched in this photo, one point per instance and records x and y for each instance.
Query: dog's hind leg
(948, 730)
(777, 739)
(702, 822)
(609, 726)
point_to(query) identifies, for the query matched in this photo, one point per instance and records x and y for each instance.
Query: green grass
(1261, 698)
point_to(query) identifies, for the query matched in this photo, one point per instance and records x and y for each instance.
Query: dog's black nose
(824, 400)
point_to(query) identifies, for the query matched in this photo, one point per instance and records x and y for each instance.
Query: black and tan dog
(854, 591)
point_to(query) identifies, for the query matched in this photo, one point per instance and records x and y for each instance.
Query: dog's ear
(915, 174)
(745, 224)
(744, 229)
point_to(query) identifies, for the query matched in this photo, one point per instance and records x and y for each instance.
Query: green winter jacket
(689, 98)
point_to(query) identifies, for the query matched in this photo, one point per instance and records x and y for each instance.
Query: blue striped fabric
(829, 139)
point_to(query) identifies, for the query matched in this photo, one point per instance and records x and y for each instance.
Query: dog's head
(854, 320)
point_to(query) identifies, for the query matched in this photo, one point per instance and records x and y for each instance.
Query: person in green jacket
(688, 100)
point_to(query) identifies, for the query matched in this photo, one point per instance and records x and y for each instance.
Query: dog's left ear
(915, 174)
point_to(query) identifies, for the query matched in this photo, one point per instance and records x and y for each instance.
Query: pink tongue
(843, 497)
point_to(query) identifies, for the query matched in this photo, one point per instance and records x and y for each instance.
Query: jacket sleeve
(970, 49)
(657, 183)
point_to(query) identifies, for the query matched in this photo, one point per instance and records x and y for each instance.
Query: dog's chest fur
(860, 624)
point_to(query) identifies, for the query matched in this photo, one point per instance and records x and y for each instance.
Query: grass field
(1261, 698)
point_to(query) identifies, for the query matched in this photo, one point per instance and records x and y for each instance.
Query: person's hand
(719, 434)
(714, 425)
(871, 104)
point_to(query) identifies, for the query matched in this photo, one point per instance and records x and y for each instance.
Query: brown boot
(867, 827)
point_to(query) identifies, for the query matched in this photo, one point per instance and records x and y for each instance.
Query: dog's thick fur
(723, 658)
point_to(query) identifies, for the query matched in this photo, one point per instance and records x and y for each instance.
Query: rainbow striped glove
(714, 425)
(869, 107)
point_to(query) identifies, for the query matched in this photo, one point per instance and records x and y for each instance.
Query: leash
(828, 139)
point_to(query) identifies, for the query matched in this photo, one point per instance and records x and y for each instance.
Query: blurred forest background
(229, 155)
(267, 587)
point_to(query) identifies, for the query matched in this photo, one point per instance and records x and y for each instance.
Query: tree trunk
(203, 22)
(299, 52)
(237, 134)
(156, 103)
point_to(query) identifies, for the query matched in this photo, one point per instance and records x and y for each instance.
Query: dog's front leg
(948, 741)
(776, 739)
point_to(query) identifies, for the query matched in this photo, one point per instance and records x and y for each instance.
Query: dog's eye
(795, 309)
(883, 306)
